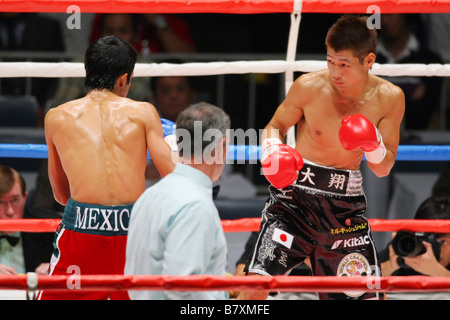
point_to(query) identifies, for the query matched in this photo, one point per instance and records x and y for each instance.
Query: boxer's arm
(159, 150)
(57, 176)
(389, 128)
(280, 162)
(288, 113)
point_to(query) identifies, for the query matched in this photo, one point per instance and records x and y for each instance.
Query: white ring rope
(289, 66)
(75, 69)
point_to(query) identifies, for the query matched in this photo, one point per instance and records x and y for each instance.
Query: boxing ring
(32, 282)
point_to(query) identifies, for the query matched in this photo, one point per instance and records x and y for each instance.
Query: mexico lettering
(102, 219)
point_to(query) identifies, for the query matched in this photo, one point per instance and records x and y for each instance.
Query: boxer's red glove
(358, 132)
(280, 163)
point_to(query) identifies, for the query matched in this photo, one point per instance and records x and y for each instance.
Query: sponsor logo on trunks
(282, 237)
(352, 242)
(354, 228)
(354, 265)
(102, 219)
(283, 194)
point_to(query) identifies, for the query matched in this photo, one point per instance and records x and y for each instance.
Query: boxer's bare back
(98, 148)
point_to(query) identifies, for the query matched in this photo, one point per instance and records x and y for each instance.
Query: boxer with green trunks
(98, 148)
(90, 227)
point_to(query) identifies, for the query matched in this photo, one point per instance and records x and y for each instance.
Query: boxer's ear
(122, 80)
(369, 60)
(122, 85)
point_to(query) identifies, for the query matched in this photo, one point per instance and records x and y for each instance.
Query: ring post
(296, 17)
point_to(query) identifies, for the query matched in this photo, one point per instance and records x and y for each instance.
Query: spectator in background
(21, 252)
(438, 37)
(166, 33)
(158, 34)
(170, 96)
(426, 263)
(441, 187)
(36, 33)
(398, 44)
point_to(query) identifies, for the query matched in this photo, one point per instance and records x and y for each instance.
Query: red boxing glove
(358, 132)
(280, 163)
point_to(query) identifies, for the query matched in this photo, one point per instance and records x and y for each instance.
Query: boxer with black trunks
(97, 155)
(317, 202)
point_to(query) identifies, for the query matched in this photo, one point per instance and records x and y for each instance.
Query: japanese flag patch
(282, 237)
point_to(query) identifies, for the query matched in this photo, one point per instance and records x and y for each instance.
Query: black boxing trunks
(319, 216)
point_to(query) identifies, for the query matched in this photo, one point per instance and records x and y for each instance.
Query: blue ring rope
(244, 152)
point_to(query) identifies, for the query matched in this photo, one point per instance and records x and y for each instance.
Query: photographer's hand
(427, 264)
(389, 266)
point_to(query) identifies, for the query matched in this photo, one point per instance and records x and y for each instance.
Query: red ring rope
(246, 225)
(237, 283)
(226, 6)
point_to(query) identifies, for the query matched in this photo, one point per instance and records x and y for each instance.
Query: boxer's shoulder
(384, 87)
(308, 86)
(313, 80)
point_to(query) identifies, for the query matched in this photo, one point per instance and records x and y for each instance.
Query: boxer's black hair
(351, 32)
(106, 60)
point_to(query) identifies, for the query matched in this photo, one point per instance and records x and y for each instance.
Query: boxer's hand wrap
(358, 132)
(269, 146)
(280, 163)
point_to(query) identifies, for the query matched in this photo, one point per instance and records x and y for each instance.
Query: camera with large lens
(409, 244)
